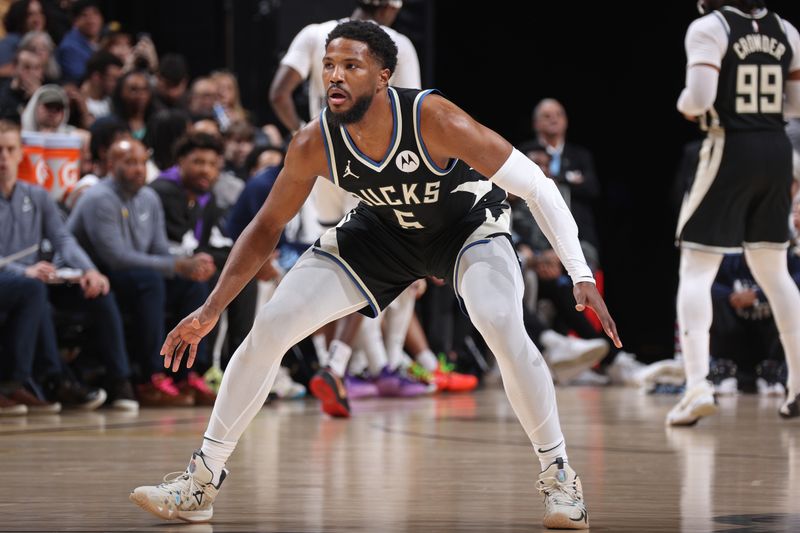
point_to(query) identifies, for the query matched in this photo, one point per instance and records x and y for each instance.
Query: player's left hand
(586, 295)
(187, 334)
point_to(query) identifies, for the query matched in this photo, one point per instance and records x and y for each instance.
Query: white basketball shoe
(186, 495)
(697, 402)
(563, 497)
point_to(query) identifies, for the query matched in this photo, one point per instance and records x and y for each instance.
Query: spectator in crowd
(172, 79)
(40, 43)
(23, 16)
(239, 142)
(47, 111)
(262, 157)
(194, 219)
(229, 99)
(132, 102)
(27, 216)
(103, 133)
(18, 91)
(118, 43)
(570, 164)
(120, 223)
(141, 56)
(163, 129)
(202, 97)
(227, 187)
(81, 41)
(103, 71)
(206, 123)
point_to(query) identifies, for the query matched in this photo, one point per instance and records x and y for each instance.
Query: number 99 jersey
(753, 71)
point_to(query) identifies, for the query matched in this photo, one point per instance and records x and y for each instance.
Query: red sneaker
(330, 391)
(451, 380)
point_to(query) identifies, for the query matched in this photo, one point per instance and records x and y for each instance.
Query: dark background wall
(619, 82)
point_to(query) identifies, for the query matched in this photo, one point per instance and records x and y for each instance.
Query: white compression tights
(316, 291)
(697, 272)
(490, 282)
(772, 275)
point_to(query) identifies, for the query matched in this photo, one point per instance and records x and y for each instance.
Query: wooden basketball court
(443, 463)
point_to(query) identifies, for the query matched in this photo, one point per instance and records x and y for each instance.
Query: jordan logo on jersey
(407, 161)
(348, 172)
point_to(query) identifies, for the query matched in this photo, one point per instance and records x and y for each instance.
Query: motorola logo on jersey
(407, 161)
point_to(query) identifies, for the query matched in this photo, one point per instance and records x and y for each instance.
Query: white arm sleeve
(706, 41)
(522, 177)
(700, 92)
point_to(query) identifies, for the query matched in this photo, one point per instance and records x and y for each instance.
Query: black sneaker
(121, 397)
(73, 395)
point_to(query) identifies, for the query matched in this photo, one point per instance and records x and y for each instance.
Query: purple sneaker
(396, 383)
(359, 387)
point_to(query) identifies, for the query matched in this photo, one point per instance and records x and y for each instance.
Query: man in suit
(571, 165)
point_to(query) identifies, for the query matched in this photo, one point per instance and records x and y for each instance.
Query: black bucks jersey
(753, 72)
(741, 193)
(414, 218)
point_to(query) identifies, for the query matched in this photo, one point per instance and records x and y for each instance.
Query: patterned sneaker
(791, 407)
(360, 387)
(420, 373)
(453, 381)
(563, 497)
(397, 383)
(697, 402)
(185, 495)
(329, 389)
(286, 388)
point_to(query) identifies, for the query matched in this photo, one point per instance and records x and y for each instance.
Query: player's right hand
(187, 334)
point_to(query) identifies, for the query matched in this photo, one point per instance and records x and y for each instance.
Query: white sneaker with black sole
(697, 402)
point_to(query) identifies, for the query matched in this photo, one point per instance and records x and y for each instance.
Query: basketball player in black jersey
(417, 161)
(743, 74)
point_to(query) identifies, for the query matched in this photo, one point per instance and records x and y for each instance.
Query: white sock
(549, 452)
(339, 357)
(369, 338)
(427, 360)
(215, 454)
(772, 275)
(318, 340)
(695, 312)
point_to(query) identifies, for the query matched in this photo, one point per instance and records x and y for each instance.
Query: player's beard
(355, 113)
